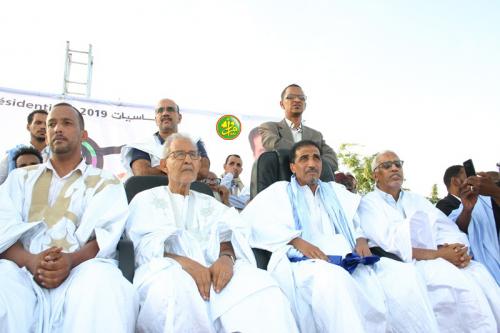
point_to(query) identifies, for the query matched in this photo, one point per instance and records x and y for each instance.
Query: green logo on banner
(228, 127)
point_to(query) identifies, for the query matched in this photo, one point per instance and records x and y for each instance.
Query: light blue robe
(483, 237)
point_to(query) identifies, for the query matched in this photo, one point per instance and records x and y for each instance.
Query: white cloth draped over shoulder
(150, 145)
(42, 210)
(324, 296)
(463, 300)
(194, 226)
(483, 236)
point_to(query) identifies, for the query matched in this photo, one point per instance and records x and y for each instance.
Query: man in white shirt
(239, 194)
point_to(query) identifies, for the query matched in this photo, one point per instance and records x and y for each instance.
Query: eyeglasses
(169, 109)
(388, 164)
(210, 181)
(293, 96)
(181, 155)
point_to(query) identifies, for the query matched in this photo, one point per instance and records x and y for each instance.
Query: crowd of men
(388, 261)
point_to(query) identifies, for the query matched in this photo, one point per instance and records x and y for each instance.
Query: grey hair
(173, 137)
(377, 156)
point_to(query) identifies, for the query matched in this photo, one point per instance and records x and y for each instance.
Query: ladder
(78, 71)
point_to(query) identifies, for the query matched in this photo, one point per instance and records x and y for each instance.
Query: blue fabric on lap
(349, 263)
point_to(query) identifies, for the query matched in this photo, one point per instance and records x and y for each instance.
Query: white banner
(112, 124)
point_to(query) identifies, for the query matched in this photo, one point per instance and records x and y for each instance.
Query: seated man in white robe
(309, 218)
(195, 271)
(464, 296)
(60, 223)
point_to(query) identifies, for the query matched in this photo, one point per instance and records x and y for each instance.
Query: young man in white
(60, 223)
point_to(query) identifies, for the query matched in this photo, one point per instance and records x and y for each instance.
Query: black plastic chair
(273, 166)
(126, 258)
(202, 187)
(134, 185)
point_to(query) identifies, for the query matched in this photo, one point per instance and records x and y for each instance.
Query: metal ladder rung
(76, 51)
(75, 82)
(79, 63)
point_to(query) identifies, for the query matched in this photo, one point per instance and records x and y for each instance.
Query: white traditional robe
(464, 300)
(387, 297)
(151, 145)
(42, 210)
(194, 226)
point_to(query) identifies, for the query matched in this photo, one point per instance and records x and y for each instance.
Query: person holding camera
(473, 203)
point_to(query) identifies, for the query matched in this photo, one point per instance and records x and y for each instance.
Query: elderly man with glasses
(195, 270)
(464, 296)
(143, 158)
(283, 134)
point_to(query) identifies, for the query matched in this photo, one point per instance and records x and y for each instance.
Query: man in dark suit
(453, 178)
(283, 134)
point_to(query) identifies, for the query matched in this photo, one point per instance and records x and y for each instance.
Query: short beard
(39, 138)
(60, 149)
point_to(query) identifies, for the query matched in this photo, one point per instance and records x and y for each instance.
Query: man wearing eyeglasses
(221, 193)
(143, 158)
(464, 296)
(195, 270)
(283, 134)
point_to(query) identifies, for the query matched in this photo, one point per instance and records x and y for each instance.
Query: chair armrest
(261, 257)
(126, 259)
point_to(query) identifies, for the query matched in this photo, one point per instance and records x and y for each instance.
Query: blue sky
(419, 77)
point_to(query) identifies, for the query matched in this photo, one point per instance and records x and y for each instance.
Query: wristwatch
(230, 255)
